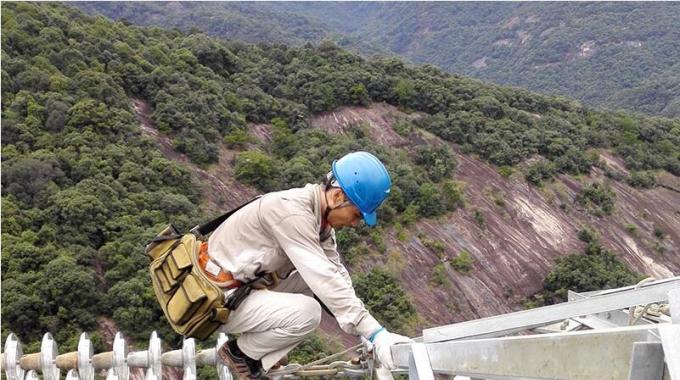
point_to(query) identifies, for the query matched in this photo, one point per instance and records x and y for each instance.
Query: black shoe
(241, 366)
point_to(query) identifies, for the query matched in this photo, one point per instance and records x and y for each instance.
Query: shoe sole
(228, 361)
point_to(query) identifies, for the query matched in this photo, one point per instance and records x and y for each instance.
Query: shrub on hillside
(385, 299)
(463, 262)
(312, 348)
(538, 172)
(437, 161)
(643, 179)
(587, 234)
(237, 139)
(439, 276)
(452, 195)
(595, 269)
(255, 168)
(597, 196)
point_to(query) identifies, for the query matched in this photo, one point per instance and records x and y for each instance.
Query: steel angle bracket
(419, 363)
(670, 341)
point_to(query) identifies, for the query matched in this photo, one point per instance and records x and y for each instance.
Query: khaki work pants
(273, 322)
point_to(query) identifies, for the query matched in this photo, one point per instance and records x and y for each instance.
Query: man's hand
(383, 342)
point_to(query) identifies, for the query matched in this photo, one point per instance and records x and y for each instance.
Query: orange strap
(223, 279)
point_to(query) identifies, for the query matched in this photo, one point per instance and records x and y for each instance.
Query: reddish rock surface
(522, 236)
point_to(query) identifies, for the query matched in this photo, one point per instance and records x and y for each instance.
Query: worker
(290, 235)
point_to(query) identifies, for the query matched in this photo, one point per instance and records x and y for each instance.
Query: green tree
(595, 269)
(429, 201)
(597, 196)
(255, 168)
(437, 161)
(385, 299)
(463, 262)
(359, 95)
(69, 290)
(404, 91)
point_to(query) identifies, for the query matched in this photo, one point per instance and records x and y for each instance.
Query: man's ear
(338, 196)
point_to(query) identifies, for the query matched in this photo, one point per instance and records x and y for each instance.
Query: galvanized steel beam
(670, 340)
(586, 355)
(419, 363)
(527, 319)
(674, 302)
(607, 319)
(383, 374)
(646, 362)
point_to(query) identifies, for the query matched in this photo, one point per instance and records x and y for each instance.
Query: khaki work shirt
(280, 233)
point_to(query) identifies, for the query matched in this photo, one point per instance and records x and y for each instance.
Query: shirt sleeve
(330, 248)
(300, 241)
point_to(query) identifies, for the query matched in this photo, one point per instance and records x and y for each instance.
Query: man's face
(344, 213)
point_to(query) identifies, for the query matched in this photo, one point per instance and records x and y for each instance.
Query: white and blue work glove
(383, 341)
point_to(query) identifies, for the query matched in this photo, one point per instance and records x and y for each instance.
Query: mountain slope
(85, 186)
(525, 229)
(248, 22)
(617, 55)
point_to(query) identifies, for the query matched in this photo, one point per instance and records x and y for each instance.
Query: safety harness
(189, 286)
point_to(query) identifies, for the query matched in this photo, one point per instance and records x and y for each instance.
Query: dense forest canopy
(83, 191)
(616, 54)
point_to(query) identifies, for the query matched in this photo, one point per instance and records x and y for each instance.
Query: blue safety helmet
(365, 181)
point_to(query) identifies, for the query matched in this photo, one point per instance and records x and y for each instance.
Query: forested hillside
(83, 189)
(617, 55)
(610, 54)
(243, 21)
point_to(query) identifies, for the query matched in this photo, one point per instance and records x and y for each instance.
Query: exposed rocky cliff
(524, 228)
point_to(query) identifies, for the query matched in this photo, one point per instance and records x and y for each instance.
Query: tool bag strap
(209, 227)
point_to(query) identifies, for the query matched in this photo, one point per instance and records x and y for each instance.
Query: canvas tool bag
(193, 303)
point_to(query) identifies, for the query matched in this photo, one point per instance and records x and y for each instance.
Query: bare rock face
(524, 228)
(480, 63)
(379, 118)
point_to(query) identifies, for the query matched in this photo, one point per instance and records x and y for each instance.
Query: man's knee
(311, 313)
